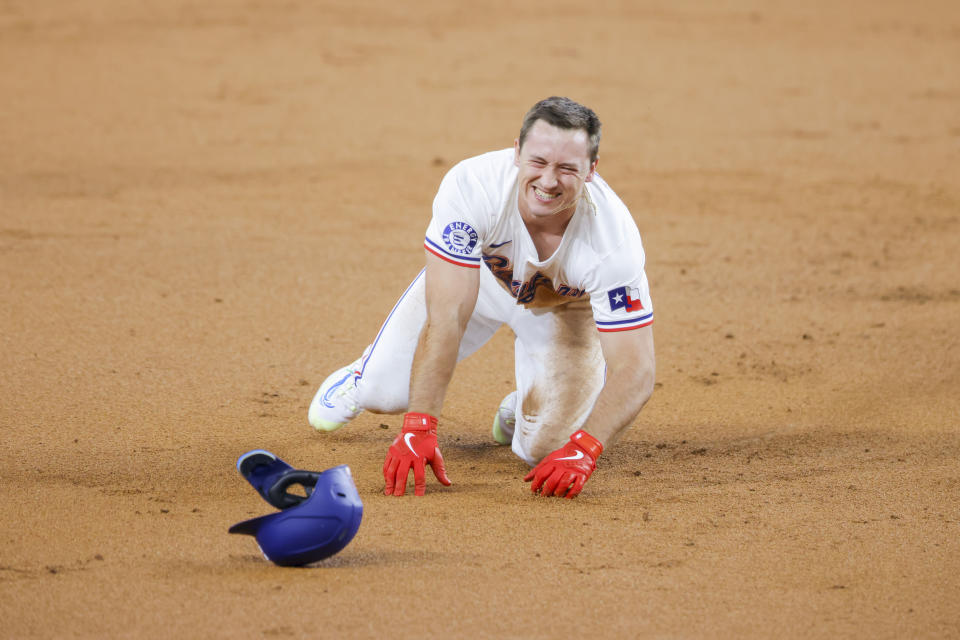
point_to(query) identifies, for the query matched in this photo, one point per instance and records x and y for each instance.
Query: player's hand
(566, 470)
(415, 447)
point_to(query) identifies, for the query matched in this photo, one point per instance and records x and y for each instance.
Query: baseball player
(530, 236)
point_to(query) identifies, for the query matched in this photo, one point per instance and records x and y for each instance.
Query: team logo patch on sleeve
(460, 238)
(625, 298)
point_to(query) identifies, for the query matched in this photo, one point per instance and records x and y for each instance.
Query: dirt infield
(206, 207)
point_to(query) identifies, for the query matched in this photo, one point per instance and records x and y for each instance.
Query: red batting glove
(416, 447)
(567, 468)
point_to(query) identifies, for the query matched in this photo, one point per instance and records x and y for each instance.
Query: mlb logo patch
(625, 298)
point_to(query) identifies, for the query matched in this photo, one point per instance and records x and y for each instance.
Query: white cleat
(506, 419)
(336, 401)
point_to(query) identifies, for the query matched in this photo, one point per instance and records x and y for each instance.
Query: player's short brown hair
(564, 113)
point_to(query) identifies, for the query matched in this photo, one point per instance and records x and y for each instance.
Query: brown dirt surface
(205, 207)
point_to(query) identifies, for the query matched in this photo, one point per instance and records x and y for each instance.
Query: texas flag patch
(624, 298)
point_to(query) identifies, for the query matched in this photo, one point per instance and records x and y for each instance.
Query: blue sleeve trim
(621, 322)
(452, 255)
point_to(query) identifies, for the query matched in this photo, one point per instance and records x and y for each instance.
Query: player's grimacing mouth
(543, 196)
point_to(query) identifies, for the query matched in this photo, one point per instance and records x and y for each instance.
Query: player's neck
(547, 232)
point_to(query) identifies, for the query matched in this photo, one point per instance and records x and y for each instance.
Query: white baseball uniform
(594, 282)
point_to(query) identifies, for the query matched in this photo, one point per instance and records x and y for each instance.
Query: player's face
(554, 164)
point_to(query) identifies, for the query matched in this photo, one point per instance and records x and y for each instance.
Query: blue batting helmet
(312, 528)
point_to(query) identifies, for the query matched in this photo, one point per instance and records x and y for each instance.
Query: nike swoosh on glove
(567, 469)
(414, 448)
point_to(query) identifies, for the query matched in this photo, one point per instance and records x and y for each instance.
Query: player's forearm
(433, 365)
(624, 393)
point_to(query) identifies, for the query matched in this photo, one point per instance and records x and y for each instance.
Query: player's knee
(534, 440)
(540, 450)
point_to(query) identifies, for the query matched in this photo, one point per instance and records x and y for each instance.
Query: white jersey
(476, 220)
